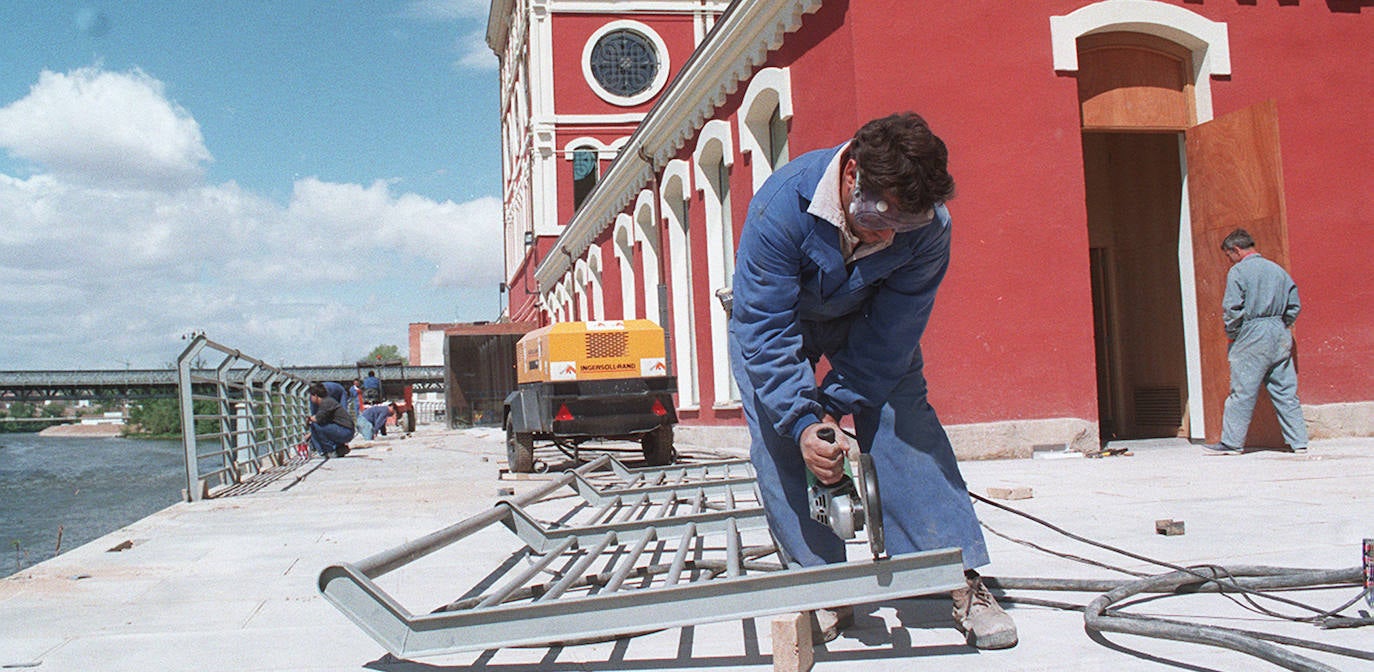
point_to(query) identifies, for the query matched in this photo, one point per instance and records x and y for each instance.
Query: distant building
(479, 367)
(107, 418)
(1101, 149)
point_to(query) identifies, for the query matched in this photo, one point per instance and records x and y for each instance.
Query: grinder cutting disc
(872, 505)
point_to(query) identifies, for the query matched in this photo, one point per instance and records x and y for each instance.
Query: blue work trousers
(327, 438)
(926, 504)
(1262, 354)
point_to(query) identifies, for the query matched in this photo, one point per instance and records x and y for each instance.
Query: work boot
(826, 624)
(977, 615)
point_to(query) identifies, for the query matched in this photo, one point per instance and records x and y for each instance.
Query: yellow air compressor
(591, 381)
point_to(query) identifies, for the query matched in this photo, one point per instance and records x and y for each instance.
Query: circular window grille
(624, 62)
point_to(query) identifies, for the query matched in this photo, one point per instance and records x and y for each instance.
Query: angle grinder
(850, 504)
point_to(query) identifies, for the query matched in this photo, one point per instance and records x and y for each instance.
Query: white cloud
(474, 54)
(105, 128)
(461, 239)
(100, 272)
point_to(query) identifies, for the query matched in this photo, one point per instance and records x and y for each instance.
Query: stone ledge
(1335, 421)
(982, 441)
(1020, 438)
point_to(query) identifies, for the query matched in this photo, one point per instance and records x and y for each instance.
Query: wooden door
(1235, 180)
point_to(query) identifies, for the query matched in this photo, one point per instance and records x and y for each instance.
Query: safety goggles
(876, 214)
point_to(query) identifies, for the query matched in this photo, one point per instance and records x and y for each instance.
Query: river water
(87, 486)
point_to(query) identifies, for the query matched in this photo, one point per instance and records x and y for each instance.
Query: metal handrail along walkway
(642, 550)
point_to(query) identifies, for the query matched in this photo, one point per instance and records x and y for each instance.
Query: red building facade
(1101, 151)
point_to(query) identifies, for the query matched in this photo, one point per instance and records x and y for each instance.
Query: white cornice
(635, 6)
(498, 25)
(738, 44)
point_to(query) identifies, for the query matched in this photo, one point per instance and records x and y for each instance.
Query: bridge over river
(32, 386)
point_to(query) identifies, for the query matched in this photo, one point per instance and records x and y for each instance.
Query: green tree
(159, 417)
(383, 353)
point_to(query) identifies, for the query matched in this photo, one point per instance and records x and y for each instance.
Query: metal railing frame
(261, 415)
(696, 514)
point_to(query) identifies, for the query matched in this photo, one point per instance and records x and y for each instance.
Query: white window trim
(593, 260)
(646, 234)
(604, 152)
(719, 235)
(1207, 39)
(623, 239)
(777, 81)
(676, 184)
(660, 78)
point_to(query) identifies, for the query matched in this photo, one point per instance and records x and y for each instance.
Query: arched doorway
(1162, 190)
(1136, 100)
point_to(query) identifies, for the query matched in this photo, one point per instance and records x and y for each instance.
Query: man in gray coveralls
(1259, 309)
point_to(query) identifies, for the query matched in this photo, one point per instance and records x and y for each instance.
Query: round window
(624, 62)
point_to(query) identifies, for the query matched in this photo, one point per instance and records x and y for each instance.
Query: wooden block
(1169, 527)
(1020, 492)
(792, 643)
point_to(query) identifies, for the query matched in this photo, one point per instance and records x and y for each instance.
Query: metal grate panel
(643, 549)
(602, 344)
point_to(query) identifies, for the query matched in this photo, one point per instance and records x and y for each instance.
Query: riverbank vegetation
(25, 417)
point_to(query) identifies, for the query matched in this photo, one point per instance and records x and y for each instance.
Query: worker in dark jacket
(331, 428)
(841, 254)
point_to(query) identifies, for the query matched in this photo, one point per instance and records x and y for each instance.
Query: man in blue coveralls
(1259, 309)
(841, 254)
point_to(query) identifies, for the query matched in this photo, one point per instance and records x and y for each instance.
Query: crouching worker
(372, 421)
(841, 254)
(330, 427)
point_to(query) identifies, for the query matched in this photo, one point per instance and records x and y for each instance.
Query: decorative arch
(674, 196)
(624, 243)
(598, 293)
(1207, 40)
(713, 157)
(581, 285)
(763, 120)
(562, 302)
(646, 234)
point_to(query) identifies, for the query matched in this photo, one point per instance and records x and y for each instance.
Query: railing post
(188, 416)
(226, 416)
(271, 422)
(248, 415)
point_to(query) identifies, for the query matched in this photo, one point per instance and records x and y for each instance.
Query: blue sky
(299, 180)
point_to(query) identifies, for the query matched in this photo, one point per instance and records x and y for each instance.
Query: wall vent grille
(1158, 406)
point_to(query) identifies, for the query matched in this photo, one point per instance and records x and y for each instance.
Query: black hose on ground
(1253, 577)
(1096, 617)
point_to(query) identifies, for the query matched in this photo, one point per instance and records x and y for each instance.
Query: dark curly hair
(898, 155)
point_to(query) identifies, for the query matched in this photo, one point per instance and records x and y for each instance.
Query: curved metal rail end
(406, 636)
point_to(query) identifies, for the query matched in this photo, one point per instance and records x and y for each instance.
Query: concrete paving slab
(230, 584)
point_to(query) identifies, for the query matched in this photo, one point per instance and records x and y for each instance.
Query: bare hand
(824, 458)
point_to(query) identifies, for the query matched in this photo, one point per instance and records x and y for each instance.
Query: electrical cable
(1067, 556)
(1278, 639)
(1320, 613)
(1100, 616)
